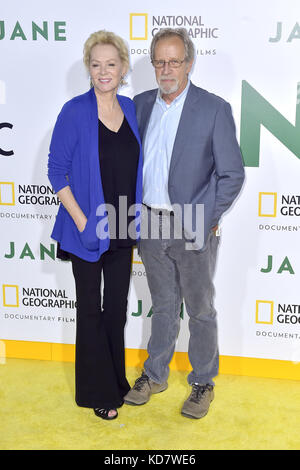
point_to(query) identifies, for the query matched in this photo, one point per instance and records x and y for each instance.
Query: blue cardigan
(74, 161)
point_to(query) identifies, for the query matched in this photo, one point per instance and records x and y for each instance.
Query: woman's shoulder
(125, 100)
(74, 107)
(79, 100)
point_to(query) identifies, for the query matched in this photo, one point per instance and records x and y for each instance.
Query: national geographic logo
(143, 26)
(26, 194)
(279, 323)
(140, 23)
(268, 313)
(27, 202)
(7, 193)
(15, 296)
(10, 295)
(271, 205)
(44, 30)
(267, 204)
(274, 206)
(138, 26)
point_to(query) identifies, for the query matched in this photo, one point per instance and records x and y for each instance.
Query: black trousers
(100, 356)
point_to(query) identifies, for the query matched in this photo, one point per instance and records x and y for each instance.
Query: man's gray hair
(171, 32)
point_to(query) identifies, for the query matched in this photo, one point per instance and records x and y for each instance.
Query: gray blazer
(206, 164)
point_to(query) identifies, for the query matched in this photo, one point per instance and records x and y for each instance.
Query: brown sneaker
(197, 404)
(142, 390)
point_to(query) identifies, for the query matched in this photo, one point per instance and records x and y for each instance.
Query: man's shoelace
(140, 382)
(198, 391)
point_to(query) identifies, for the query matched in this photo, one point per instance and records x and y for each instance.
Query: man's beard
(168, 90)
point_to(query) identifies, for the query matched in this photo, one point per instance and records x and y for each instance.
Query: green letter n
(256, 111)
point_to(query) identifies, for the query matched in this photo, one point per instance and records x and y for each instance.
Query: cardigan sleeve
(63, 142)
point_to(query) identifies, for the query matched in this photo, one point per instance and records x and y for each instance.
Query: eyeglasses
(174, 63)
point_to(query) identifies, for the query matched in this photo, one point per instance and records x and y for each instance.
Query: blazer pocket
(88, 236)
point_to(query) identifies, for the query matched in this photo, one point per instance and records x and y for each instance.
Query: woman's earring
(122, 81)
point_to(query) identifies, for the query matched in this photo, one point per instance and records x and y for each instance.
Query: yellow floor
(38, 412)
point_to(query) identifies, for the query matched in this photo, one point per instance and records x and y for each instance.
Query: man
(191, 156)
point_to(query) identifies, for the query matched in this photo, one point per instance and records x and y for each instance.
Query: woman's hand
(70, 204)
(81, 224)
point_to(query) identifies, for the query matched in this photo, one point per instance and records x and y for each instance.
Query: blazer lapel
(146, 113)
(190, 107)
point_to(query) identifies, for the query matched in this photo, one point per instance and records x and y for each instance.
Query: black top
(118, 156)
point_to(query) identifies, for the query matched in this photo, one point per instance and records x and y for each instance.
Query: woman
(95, 157)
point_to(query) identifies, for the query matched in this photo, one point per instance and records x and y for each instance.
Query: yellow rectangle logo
(7, 194)
(138, 26)
(264, 312)
(10, 295)
(267, 205)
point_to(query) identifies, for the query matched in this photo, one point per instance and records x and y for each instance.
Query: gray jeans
(173, 274)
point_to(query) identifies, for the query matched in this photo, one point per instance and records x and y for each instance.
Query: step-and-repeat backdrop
(248, 53)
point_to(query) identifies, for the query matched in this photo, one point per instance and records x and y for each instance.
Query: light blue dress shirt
(158, 149)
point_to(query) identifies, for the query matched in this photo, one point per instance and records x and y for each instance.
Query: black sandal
(103, 413)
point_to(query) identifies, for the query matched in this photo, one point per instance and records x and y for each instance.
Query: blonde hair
(106, 37)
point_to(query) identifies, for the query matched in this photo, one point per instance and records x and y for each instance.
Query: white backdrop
(242, 47)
